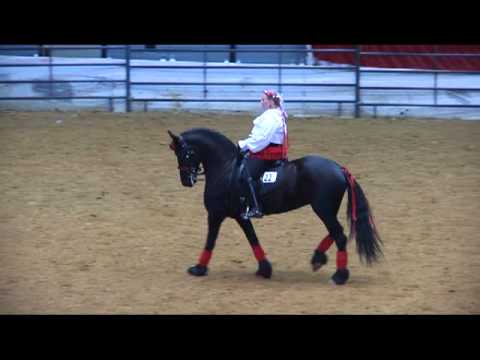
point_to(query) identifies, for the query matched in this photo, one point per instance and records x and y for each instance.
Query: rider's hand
(242, 153)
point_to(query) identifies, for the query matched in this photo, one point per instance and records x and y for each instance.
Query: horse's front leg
(201, 269)
(264, 266)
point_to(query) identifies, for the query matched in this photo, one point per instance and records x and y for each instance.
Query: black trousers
(256, 167)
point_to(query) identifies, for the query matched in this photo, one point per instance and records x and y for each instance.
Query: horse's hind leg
(319, 257)
(335, 233)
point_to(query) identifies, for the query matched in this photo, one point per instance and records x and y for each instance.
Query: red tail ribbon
(351, 182)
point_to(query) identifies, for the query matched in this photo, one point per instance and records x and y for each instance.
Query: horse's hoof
(264, 269)
(198, 270)
(318, 260)
(341, 276)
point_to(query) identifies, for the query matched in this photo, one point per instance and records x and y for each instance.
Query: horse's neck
(218, 170)
(218, 167)
(216, 156)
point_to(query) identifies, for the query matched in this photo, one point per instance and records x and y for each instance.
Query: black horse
(311, 180)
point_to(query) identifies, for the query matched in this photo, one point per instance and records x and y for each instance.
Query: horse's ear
(175, 140)
(173, 136)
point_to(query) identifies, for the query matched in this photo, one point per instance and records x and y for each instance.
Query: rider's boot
(254, 212)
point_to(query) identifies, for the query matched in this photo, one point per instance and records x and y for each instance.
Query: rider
(267, 142)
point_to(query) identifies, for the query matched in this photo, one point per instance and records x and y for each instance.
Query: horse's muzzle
(188, 180)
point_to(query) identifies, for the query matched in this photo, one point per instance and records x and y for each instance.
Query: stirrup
(255, 213)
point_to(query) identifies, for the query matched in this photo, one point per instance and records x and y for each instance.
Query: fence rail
(129, 96)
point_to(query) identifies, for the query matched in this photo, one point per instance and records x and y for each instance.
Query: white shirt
(267, 128)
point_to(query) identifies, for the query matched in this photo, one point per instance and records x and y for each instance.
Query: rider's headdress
(272, 94)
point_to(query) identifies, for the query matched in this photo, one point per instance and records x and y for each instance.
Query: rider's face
(266, 103)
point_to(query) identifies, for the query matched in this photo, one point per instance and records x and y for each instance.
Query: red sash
(270, 153)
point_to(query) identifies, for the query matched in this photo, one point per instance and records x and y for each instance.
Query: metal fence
(52, 84)
(129, 96)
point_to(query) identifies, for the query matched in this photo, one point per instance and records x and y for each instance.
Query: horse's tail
(362, 225)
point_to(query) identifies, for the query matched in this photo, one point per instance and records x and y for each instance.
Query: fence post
(357, 81)
(279, 72)
(435, 77)
(127, 78)
(205, 72)
(232, 56)
(50, 77)
(44, 51)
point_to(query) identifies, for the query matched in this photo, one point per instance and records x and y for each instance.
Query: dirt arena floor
(94, 220)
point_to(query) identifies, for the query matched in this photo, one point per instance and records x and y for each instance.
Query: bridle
(188, 160)
(190, 166)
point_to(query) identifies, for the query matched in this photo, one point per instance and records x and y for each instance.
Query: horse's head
(188, 159)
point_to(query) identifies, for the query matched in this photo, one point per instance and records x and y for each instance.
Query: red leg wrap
(258, 252)
(325, 244)
(342, 259)
(205, 257)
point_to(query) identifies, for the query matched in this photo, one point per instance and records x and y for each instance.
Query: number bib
(269, 177)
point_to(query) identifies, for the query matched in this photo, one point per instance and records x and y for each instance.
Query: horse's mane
(208, 136)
